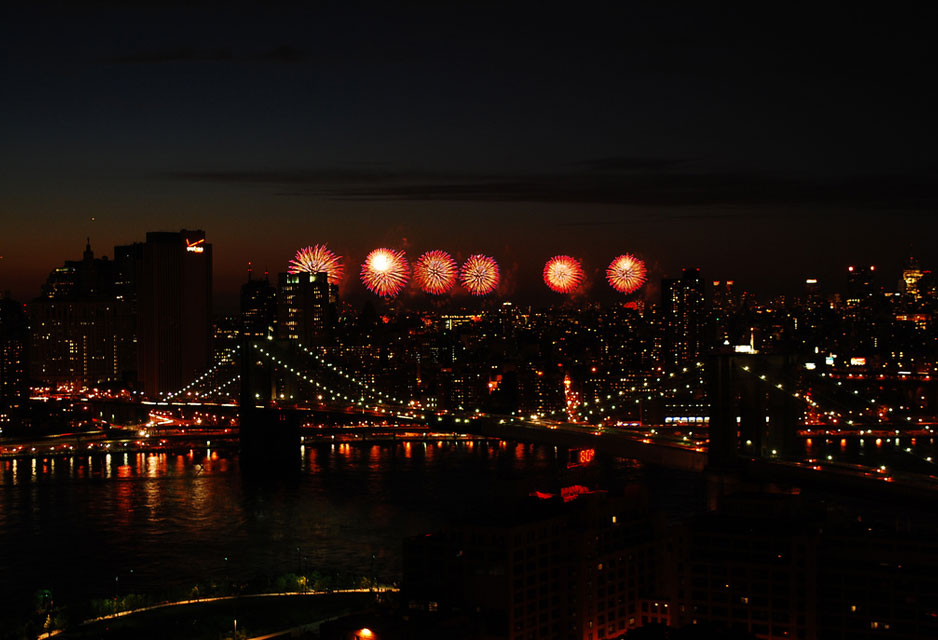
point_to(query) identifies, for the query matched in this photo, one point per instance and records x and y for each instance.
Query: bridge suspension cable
(218, 365)
(335, 394)
(348, 376)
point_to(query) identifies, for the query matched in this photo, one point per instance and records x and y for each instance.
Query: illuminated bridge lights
(349, 377)
(836, 416)
(334, 395)
(601, 406)
(209, 372)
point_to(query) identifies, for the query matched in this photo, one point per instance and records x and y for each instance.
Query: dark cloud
(640, 188)
(283, 54)
(627, 163)
(679, 214)
(369, 174)
(183, 54)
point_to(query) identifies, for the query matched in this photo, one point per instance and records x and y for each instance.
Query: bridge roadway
(817, 474)
(603, 440)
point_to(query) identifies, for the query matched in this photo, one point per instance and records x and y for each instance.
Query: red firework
(435, 272)
(317, 259)
(479, 274)
(385, 272)
(626, 273)
(563, 274)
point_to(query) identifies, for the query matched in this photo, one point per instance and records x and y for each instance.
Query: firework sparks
(626, 273)
(563, 274)
(385, 272)
(479, 274)
(435, 272)
(317, 259)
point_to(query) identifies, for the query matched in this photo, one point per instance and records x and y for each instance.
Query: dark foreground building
(558, 567)
(781, 566)
(764, 565)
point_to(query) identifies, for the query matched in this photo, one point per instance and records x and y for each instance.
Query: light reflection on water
(73, 524)
(906, 453)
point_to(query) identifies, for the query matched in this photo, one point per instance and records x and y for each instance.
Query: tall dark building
(128, 259)
(81, 332)
(258, 308)
(724, 295)
(174, 310)
(306, 306)
(723, 308)
(13, 340)
(860, 284)
(684, 318)
(812, 293)
(87, 278)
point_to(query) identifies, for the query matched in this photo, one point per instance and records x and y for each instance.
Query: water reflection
(900, 453)
(174, 516)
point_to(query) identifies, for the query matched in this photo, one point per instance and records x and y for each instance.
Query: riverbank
(213, 618)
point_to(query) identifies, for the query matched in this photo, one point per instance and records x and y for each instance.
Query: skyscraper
(306, 306)
(723, 307)
(684, 317)
(81, 332)
(174, 309)
(13, 337)
(909, 284)
(812, 291)
(258, 308)
(128, 259)
(860, 284)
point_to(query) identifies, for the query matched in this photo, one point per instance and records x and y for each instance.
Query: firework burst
(563, 274)
(316, 259)
(435, 272)
(479, 274)
(626, 273)
(385, 272)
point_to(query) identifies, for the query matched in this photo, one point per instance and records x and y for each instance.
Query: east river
(92, 526)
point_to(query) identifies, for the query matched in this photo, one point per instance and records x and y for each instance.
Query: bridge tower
(269, 433)
(750, 417)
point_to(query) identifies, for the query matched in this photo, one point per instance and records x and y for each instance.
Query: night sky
(760, 146)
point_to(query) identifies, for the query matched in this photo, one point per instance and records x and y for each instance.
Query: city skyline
(517, 320)
(689, 137)
(524, 283)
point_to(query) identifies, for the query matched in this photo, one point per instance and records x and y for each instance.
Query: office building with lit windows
(684, 318)
(306, 306)
(13, 350)
(81, 330)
